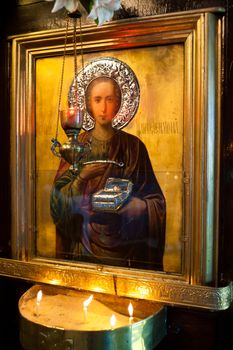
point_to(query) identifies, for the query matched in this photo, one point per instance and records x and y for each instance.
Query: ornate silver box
(114, 194)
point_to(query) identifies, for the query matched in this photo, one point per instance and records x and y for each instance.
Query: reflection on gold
(158, 123)
(55, 282)
(98, 290)
(143, 291)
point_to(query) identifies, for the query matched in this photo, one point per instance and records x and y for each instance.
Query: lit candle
(113, 321)
(130, 309)
(85, 306)
(38, 300)
(71, 111)
(74, 117)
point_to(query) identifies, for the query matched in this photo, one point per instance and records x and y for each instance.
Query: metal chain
(75, 65)
(75, 59)
(62, 78)
(81, 44)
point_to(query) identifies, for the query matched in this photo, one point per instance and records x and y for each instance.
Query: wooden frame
(199, 35)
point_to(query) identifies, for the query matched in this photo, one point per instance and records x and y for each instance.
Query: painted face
(103, 102)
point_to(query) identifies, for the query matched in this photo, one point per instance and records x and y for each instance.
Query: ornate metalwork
(126, 80)
(108, 161)
(113, 196)
(113, 281)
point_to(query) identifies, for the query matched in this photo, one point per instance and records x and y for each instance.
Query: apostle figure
(131, 236)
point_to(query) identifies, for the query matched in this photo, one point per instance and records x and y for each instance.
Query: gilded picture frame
(177, 59)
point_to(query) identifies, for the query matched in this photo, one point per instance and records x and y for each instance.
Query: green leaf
(87, 4)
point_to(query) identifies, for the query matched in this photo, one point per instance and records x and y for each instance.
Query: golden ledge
(166, 291)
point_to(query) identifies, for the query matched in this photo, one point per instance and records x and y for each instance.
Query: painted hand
(135, 207)
(92, 170)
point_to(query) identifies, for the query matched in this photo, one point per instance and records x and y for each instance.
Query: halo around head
(124, 77)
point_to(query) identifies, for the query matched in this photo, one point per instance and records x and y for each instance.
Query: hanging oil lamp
(71, 119)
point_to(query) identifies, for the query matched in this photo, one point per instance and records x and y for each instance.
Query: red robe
(107, 238)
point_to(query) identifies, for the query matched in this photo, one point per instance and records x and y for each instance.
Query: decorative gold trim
(159, 289)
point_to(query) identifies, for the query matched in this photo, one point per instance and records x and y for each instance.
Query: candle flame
(130, 309)
(88, 301)
(113, 321)
(39, 296)
(71, 110)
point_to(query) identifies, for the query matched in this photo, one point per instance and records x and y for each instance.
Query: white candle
(130, 310)
(38, 300)
(113, 321)
(85, 306)
(57, 310)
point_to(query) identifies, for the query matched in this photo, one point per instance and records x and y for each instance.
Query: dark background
(188, 328)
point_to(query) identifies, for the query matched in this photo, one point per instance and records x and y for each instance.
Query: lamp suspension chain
(81, 46)
(71, 119)
(62, 78)
(75, 55)
(75, 60)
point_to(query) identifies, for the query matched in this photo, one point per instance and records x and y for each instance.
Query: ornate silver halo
(124, 77)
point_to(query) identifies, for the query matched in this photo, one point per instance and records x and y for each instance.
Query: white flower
(103, 10)
(70, 5)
